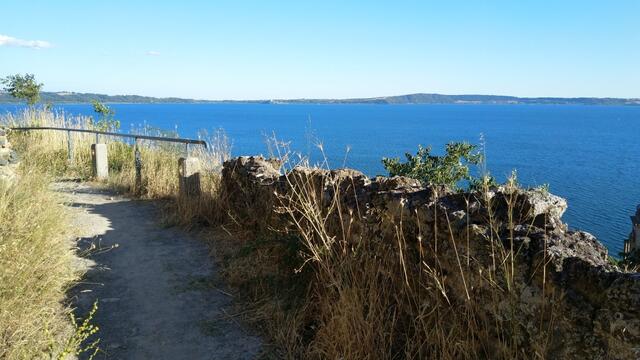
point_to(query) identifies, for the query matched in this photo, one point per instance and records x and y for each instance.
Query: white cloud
(153, 53)
(33, 44)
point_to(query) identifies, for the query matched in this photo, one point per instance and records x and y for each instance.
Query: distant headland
(421, 98)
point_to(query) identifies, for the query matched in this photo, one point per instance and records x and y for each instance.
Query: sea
(588, 154)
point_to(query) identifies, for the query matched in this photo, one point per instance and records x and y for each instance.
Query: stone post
(189, 173)
(100, 161)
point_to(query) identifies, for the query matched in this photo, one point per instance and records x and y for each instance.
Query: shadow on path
(156, 287)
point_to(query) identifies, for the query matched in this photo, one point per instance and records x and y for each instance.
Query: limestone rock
(598, 303)
(248, 186)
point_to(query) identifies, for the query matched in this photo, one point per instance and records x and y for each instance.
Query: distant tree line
(19, 88)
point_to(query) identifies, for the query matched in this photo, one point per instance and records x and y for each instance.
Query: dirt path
(157, 290)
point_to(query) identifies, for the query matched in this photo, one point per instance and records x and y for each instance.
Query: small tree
(23, 87)
(107, 122)
(437, 170)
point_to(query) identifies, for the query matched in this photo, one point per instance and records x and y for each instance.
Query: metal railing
(138, 157)
(130, 136)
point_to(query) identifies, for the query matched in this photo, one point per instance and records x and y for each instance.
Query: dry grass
(323, 288)
(35, 270)
(159, 160)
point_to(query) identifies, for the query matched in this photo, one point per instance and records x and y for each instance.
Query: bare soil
(158, 293)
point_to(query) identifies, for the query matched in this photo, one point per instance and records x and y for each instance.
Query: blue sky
(325, 49)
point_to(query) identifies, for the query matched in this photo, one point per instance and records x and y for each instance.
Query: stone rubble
(599, 305)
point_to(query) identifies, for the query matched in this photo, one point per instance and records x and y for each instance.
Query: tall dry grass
(36, 257)
(327, 289)
(49, 150)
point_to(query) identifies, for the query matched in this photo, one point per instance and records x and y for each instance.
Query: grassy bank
(48, 151)
(36, 258)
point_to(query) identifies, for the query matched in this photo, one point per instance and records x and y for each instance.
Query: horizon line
(344, 98)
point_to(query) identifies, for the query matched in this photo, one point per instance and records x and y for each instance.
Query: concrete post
(100, 161)
(189, 172)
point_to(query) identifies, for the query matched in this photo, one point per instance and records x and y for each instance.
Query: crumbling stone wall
(598, 305)
(8, 157)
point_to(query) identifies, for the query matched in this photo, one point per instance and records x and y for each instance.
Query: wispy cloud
(153, 53)
(6, 40)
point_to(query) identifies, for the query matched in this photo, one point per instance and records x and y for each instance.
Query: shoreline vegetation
(65, 97)
(324, 276)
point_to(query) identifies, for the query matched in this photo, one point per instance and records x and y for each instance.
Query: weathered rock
(248, 186)
(598, 304)
(8, 158)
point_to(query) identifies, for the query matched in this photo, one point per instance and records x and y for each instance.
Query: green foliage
(79, 343)
(107, 121)
(482, 183)
(23, 87)
(102, 109)
(437, 170)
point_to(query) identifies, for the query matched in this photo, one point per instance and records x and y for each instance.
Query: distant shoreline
(239, 102)
(411, 99)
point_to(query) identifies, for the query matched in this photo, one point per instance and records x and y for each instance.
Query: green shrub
(430, 169)
(107, 121)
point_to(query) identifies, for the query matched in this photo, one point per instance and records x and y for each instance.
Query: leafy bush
(430, 169)
(107, 121)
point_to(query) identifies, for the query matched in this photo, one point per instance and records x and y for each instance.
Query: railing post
(69, 146)
(189, 176)
(100, 161)
(138, 165)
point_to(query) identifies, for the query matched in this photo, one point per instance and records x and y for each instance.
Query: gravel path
(156, 287)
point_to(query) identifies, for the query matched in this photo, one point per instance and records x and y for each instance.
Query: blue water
(588, 154)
